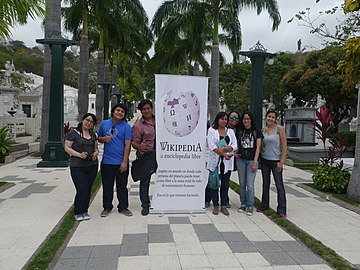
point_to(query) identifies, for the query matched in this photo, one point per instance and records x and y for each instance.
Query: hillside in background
(31, 60)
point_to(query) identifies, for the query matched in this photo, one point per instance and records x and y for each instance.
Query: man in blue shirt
(116, 135)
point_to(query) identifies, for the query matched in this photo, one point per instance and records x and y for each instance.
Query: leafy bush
(5, 142)
(323, 127)
(351, 135)
(331, 179)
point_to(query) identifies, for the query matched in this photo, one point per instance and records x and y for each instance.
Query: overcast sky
(254, 27)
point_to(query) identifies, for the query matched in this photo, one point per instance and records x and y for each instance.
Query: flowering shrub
(330, 175)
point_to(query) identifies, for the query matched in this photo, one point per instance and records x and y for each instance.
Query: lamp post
(126, 103)
(54, 155)
(117, 94)
(257, 55)
(106, 86)
(118, 97)
(131, 110)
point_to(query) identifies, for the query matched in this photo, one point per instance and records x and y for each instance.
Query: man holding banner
(144, 141)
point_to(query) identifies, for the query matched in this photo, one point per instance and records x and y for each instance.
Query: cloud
(254, 27)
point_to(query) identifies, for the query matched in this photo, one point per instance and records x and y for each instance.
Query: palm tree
(352, 61)
(52, 25)
(182, 42)
(353, 190)
(18, 11)
(123, 34)
(224, 14)
(72, 23)
(113, 23)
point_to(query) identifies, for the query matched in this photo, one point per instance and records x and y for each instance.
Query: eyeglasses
(112, 129)
(234, 117)
(89, 121)
(246, 119)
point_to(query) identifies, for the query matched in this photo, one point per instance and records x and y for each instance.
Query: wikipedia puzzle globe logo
(181, 113)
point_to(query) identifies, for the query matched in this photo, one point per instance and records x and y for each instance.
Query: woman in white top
(221, 157)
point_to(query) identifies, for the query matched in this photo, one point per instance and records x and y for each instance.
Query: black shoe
(105, 213)
(145, 211)
(261, 210)
(125, 212)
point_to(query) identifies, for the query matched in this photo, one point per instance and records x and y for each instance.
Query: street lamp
(126, 103)
(257, 55)
(54, 155)
(106, 86)
(116, 94)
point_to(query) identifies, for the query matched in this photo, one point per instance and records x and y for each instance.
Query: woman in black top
(81, 145)
(249, 143)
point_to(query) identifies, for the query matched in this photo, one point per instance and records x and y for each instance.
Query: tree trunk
(353, 190)
(52, 24)
(99, 104)
(214, 83)
(114, 88)
(196, 71)
(83, 92)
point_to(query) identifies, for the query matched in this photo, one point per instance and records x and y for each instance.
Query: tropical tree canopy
(218, 14)
(18, 11)
(320, 75)
(182, 41)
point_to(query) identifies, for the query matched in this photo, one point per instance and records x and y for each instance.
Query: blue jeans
(83, 178)
(144, 192)
(268, 166)
(246, 182)
(224, 189)
(110, 174)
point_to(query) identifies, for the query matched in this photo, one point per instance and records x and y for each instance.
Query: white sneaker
(242, 209)
(86, 216)
(249, 211)
(79, 217)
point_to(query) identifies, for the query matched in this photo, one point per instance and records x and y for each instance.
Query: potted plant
(5, 143)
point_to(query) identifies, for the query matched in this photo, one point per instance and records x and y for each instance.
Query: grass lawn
(36, 154)
(309, 166)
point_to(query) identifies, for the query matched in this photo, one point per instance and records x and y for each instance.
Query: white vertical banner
(181, 122)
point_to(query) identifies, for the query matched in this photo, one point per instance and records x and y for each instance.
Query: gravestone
(297, 127)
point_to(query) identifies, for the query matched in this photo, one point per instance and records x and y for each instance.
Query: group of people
(118, 137)
(242, 146)
(245, 146)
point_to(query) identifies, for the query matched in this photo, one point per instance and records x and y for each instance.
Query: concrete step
(21, 150)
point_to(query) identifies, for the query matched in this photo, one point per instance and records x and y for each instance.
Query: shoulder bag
(144, 166)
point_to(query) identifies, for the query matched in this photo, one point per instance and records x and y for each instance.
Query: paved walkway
(31, 209)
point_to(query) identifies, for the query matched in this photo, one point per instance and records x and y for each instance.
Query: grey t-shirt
(80, 145)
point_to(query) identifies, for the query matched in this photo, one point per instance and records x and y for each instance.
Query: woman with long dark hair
(273, 153)
(81, 145)
(221, 157)
(249, 144)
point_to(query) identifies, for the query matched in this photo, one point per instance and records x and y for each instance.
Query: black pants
(109, 175)
(144, 192)
(267, 167)
(83, 178)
